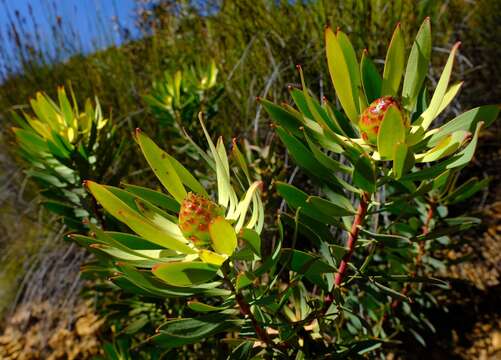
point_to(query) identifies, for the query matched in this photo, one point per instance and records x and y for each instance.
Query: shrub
(379, 176)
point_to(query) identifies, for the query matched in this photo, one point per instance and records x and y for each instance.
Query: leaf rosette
(183, 236)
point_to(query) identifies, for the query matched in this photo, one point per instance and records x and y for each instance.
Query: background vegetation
(256, 46)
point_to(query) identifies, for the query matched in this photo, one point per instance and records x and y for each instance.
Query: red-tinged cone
(373, 115)
(195, 216)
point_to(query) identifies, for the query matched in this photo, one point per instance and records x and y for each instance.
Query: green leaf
(185, 273)
(371, 79)
(204, 308)
(466, 190)
(341, 207)
(269, 264)
(242, 281)
(31, 140)
(152, 285)
(465, 156)
(283, 118)
(403, 159)
(155, 197)
(161, 166)
(364, 174)
(308, 265)
(298, 199)
(391, 132)
(431, 112)
(212, 257)
(339, 70)
(58, 208)
(324, 159)
(450, 94)
(223, 236)
(65, 106)
(179, 332)
(351, 61)
(452, 225)
(252, 238)
(136, 325)
(240, 159)
(417, 66)
(137, 222)
(393, 64)
(242, 351)
(388, 240)
(445, 147)
(133, 241)
(391, 292)
(300, 101)
(467, 121)
(186, 177)
(301, 155)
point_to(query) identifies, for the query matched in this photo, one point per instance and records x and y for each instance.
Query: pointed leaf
(161, 166)
(223, 236)
(403, 159)
(185, 273)
(340, 75)
(135, 221)
(364, 174)
(431, 112)
(371, 79)
(391, 132)
(417, 65)
(394, 64)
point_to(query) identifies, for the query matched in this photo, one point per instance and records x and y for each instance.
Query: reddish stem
(246, 312)
(352, 238)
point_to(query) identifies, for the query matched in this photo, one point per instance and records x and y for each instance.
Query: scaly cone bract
(195, 216)
(373, 115)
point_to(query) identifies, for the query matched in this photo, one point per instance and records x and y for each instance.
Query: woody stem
(245, 309)
(351, 243)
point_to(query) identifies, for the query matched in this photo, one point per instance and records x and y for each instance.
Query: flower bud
(195, 216)
(373, 115)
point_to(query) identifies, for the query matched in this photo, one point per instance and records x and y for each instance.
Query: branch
(246, 311)
(351, 243)
(352, 238)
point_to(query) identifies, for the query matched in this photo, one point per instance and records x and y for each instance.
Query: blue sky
(90, 20)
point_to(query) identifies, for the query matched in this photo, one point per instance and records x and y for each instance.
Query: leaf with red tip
(432, 111)
(161, 165)
(394, 64)
(136, 221)
(340, 75)
(371, 79)
(417, 65)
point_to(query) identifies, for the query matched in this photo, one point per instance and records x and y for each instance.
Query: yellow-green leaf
(223, 236)
(340, 75)
(446, 146)
(394, 64)
(431, 112)
(211, 257)
(185, 273)
(136, 221)
(417, 65)
(161, 166)
(403, 159)
(391, 132)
